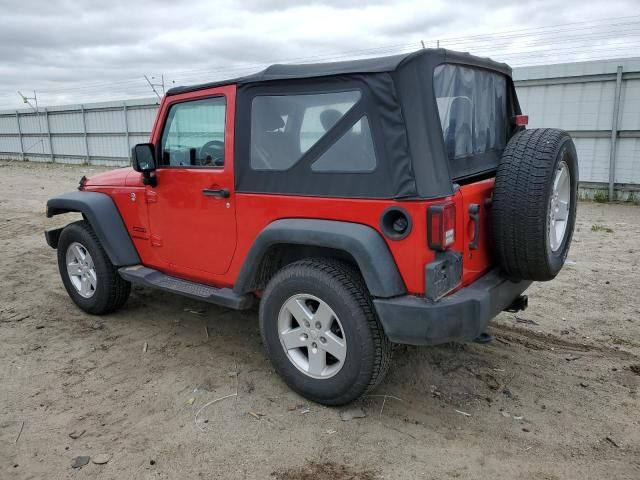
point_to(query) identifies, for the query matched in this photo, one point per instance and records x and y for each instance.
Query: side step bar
(206, 293)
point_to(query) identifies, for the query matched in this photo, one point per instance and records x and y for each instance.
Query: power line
(572, 25)
(577, 38)
(385, 49)
(495, 50)
(451, 42)
(247, 65)
(516, 45)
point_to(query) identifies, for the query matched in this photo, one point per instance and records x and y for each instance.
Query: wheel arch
(105, 220)
(288, 240)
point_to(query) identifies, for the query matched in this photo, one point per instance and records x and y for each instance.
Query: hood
(112, 178)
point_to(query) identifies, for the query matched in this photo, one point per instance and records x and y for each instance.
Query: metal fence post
(46, 118)
(84, 131)
(126, 131)
(20, 135)
(614, 133)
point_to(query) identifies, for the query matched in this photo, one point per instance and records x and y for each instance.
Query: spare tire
(533, 211)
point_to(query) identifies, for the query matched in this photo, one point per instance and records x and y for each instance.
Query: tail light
(521, 120)
(441, 226)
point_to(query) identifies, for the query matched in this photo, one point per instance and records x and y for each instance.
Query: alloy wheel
(560, 206)
(81, 270)
(312, 336)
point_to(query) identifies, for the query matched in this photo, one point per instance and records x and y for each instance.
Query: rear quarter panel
(411, 254)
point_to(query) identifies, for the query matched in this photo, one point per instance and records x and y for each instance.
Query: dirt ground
(554, 396)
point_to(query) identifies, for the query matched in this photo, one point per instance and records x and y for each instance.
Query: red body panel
(194, 235)
(178, 230)
(255, 213)
(476, 261)
(112, 178)
(411, 254)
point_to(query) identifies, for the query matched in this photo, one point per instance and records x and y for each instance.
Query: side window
(319, 119)
(193, 134)
(284, 127)
(352, 153)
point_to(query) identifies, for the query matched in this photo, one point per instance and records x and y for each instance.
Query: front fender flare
(104, 217)
(362, 242)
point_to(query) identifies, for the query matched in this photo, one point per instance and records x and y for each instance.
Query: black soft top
(397, 100)
(367, 65)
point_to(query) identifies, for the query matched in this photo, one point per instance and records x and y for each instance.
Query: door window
(193, 135)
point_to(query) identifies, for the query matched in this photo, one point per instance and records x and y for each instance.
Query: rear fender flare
(362, 242)
(104, 217)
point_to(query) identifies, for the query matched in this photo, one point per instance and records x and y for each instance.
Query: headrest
(461, 107)
(329, 118)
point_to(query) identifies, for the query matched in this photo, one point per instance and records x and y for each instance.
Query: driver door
(192, 207)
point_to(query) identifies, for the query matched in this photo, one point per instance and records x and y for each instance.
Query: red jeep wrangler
(395, 199)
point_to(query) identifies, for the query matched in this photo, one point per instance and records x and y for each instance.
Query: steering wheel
(212, 153)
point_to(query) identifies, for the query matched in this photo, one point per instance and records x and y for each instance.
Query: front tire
(91, 280)
(321, 332)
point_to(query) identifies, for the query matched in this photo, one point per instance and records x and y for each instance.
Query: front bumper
(459, 317)
(52, 237)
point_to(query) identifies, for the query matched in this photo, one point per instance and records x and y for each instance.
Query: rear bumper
(459, 317)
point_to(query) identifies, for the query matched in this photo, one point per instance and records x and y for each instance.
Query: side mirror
(144, 161)
(143, 157)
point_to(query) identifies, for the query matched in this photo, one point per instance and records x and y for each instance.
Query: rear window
(472, 104)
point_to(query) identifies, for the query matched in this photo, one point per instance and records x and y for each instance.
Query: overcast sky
(83, 51)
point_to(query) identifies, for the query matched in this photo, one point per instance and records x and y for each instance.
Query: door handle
(474, 215)
(221, 192)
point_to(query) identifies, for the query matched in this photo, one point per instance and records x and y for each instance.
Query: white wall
(579, 97)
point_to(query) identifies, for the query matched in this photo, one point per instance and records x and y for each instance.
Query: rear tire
(326, 289)
(89, 277)
(534, 204)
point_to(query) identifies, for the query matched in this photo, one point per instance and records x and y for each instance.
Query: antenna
(154, 85)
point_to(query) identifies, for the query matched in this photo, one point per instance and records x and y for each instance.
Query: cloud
(95, 50)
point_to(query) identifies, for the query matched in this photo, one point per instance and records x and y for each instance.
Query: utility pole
(35, 108)
(154, 85)
(26, 99)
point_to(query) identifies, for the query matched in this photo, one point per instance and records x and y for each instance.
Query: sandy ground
(554, 396)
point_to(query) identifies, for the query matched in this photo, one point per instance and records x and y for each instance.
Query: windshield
(472, 104)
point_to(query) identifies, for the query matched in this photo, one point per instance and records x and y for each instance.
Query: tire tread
(520, 203)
